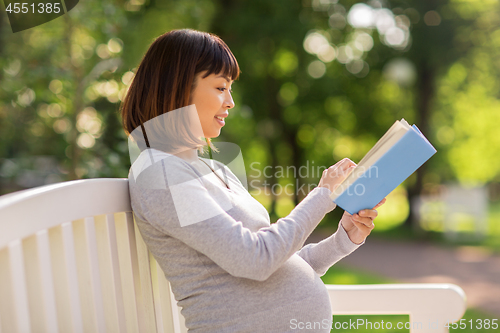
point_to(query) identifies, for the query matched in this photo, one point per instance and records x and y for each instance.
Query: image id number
(474, 324)
(43, 8)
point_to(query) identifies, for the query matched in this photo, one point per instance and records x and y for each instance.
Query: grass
(340, 274)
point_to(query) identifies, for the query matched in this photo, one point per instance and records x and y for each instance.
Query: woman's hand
(359, 226)
(334, 175)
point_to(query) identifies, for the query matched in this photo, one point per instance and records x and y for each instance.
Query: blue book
(400, 151)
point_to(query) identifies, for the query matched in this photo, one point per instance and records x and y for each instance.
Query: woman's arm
(235, 248)
(321, 256)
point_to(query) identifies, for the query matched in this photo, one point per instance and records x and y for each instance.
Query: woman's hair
(165, 80)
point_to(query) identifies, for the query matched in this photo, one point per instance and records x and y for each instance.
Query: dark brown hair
(166, 75)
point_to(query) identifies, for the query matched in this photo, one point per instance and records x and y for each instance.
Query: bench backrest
(72, 260)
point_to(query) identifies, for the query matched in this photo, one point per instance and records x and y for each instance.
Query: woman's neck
(189, 155)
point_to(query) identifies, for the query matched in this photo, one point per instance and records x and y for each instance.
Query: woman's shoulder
(152, 166)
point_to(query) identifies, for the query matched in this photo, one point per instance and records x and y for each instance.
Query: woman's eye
(222, 89)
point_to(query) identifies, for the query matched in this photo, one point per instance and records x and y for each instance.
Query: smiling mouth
(220, 120)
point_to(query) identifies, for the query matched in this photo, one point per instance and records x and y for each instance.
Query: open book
(400, 151)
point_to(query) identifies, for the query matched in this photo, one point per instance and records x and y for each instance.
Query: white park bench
(72, 260)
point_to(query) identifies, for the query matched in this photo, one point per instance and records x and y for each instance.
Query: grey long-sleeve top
(230, 269)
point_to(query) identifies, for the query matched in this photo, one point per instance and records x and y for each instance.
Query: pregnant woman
(230, 269)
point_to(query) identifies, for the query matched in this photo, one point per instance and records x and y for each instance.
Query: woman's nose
(229, 103)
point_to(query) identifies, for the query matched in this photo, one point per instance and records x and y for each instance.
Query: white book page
(395, 132)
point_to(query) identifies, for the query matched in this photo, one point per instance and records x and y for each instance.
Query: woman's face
(212, 98)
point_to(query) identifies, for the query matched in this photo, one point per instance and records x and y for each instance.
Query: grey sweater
(230, 269)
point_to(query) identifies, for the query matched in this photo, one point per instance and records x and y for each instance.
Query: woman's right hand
(335, 175)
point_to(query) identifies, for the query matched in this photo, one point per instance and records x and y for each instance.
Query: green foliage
(295, 104)
(467, 116)
(62, 83)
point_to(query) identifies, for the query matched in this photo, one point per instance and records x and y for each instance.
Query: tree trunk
(296, 160)
(425, 93)
(272, 87)
(77, 103)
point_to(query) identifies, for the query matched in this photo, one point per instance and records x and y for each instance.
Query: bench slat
(64, 278)
(20, 292)
(109, 273)
(161, 290)
(147, 306)
(129, 273)
(96, 286)
(73, 276)
(7, 319)
(111, 226)
(88, 276)
(33, 285)
(46, 281)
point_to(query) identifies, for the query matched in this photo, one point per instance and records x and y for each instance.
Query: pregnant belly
(294, 290)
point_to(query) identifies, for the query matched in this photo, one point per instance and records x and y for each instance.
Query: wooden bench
(72, 260)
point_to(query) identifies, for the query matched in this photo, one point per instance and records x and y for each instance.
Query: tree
(62, 84)
(266, 38)
(424, 35)
(50, 75)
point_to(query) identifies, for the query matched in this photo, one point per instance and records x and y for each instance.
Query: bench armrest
(429, 305)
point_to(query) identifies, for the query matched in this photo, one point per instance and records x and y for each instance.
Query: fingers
(365, 217)
(344, 164)
(367, 213)
(367, 225)
(380, 203)
(339, 168)
(336, 174)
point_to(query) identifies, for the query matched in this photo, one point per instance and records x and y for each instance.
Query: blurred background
(321, 80)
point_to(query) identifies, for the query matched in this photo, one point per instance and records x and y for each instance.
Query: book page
(393, 134)
(384, 145)
(387, 135)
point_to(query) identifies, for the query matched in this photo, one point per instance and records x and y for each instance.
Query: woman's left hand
(359, 226)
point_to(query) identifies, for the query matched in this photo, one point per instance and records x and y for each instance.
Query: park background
(321, 80)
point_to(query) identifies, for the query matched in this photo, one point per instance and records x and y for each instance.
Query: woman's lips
(221, 122)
